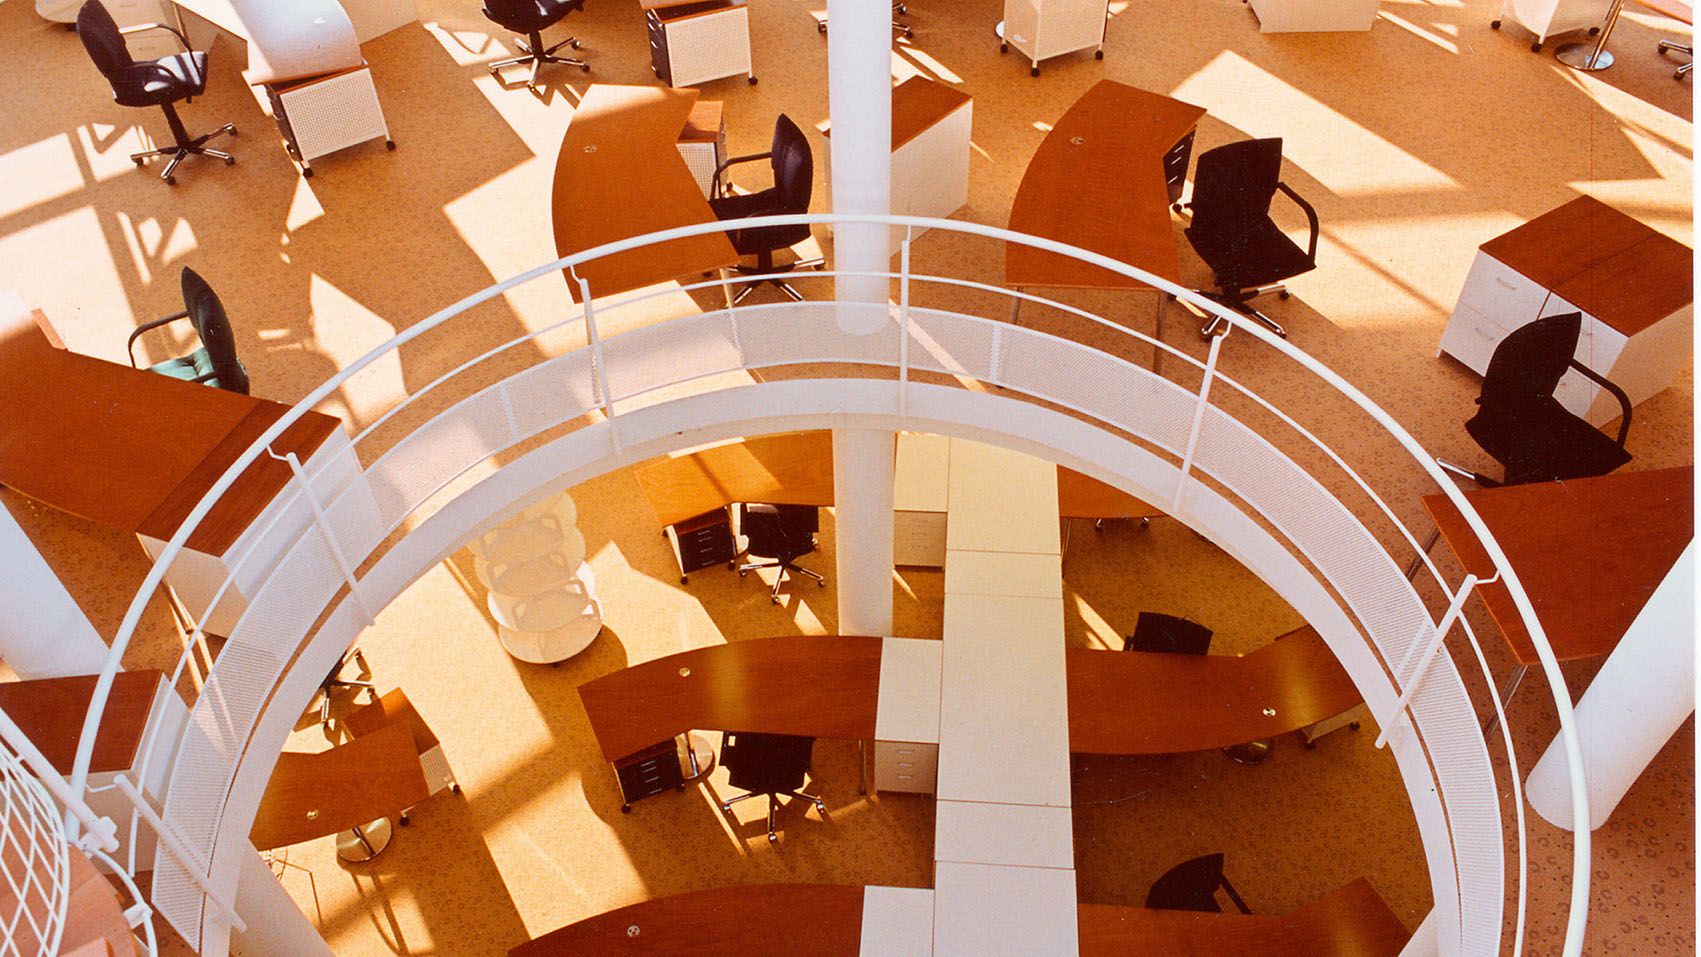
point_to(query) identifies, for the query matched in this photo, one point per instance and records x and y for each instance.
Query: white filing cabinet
(1632, 285)
(932, 125)
(702, 144)
(906, 718)
(1305, 16)
(1547, 18)
(323, 114)
(1042, 29)
(699, 40)
(919, 499)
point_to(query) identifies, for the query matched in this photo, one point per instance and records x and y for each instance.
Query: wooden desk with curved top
(827, 920)
(1097, 181)
(618, 175)
(1120, 703)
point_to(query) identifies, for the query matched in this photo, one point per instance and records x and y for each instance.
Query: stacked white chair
(542, 591)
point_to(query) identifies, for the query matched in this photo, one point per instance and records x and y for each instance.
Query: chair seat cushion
(749, 242)
(165, 80)
(527, 16)
(189, 368)
(1539, 440)
(1259, 253)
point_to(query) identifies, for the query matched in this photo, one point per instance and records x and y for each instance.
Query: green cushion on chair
(189, 368)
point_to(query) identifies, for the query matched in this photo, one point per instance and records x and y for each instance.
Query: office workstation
(1037, 730)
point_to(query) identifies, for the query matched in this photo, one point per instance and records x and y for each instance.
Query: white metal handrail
(1577, 916)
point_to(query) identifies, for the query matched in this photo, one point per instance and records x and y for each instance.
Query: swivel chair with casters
(773, 765)
(160, 83)
(793, 168)
(215, 363)
(335, 686)
(1520, 423)
(530, 17)
(1167, 633)
(1233, 233)
(1192, 885)
(782, 534)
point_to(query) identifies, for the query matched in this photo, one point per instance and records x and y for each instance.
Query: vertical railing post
(904, 322)
(323, 523)
(1198, 422)
(599, 368)
(1426, 656)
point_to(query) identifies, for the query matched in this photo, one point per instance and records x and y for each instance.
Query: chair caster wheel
(1284, 294)
(1310, 745)
(820, 584)
(1034, 71)
(752, 81)
(680, 788)
(230, 161)
(1175, 207)
(1536, 47)
(626, 809)
(742, 573)
(139, 163)
(307, 173)
(230, 129)
(586, 68)
(685, 579)
(773, 839)
(1494, 24)
(821, 27)
(390, 145)
(1353, 725)
(1004, 48)
(171, 181)
(1594, 31)
(403, 820)
(455, 788)
(574, 43)
(1098, 54)
(774, 600)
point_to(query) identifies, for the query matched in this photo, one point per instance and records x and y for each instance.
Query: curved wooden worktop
(829, 687)
(618, 175)
(826, 920)
(1097, 181)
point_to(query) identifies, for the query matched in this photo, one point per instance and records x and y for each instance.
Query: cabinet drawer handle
(1502, 283)
(1486, 332)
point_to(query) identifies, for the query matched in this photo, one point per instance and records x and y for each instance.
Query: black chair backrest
(207, 315)
(100, 36)
(1156, 632)
(776, 531)
(1190, 885)
(525, 16)
(1233, 185)
(1531, 360)
(794, 166)
(761, 762)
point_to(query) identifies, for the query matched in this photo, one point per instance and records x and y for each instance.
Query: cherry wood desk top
(351, 785)
(829, 687)
(1097, 181)
(1589, 552)
(823, 686)
(51, 712)
(1153, 703)
(1676, 9)
(1602, 261)
(783, 920)
(796, 468)
(619, 174)
(132, 449)
(917, 104)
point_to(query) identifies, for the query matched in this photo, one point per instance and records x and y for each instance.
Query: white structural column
(859, 74)
(1641, 695)
(43, 634)
(275, 925)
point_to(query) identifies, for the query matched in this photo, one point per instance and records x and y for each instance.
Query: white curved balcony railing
(509, 425)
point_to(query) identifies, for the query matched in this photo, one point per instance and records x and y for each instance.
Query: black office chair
(793, 168)
(767, 764)
(215, 363)
(1167, 633)
(1523, 427)
(335, 688)
(1192, 885)
(782, 534)
(530, 17)
(160, 83)
(1232, 230)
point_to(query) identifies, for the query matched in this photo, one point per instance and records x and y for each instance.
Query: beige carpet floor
(1416, 141)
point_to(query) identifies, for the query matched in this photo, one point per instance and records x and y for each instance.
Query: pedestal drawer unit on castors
(649, 772)
(697, 41)
(1634, 287)
(906, 720)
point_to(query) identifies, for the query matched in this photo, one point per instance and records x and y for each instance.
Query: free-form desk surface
(796, 468)
(51, 712)
(286, 41)
(782, 920)
(351, 785)
(1589, 552)
(133, 449)
(829, 687)
(619, 175)
(1097, 181)
(917, 104)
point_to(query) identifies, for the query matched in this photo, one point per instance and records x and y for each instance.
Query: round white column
(859, 76)
(275, 924)
(1642, 694)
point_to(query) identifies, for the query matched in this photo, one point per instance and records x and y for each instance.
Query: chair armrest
(140, 27)
(1310, 217)
(1617, 393)
(715, 190)
(130, 344)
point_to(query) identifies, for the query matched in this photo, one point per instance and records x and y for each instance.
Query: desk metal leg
(1594, 57)
(1506, 698)
(1417, 563)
